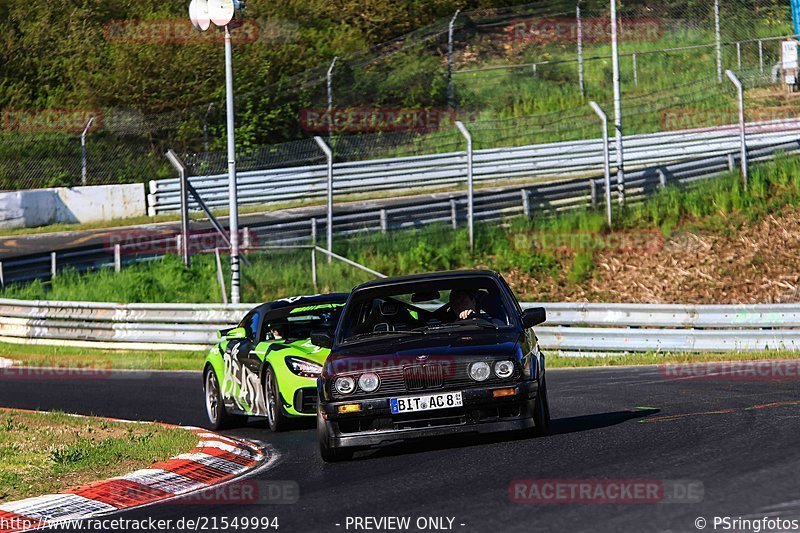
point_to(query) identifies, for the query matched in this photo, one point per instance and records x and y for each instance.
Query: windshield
(302, 321)
(425, 307)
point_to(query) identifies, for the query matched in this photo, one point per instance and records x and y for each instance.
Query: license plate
(426, 402)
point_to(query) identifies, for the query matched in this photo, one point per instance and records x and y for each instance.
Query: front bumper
(481, 413)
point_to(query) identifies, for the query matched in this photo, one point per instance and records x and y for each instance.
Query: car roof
(446, 274)
(281, 308)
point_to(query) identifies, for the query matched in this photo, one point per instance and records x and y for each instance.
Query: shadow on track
(560, 426)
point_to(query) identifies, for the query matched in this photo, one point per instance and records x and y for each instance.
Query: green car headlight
(303, 367)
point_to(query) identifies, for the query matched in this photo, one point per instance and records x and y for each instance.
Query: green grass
(42, 453)
(719, 205)
(101, 359)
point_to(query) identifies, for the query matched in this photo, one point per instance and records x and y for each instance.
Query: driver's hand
(463, 315)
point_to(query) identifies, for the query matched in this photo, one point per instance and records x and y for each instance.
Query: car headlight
(479, 371)
(303, 367)
(344, 385)
(369, 382)
(504, 369)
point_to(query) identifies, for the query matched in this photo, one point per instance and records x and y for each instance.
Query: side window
(250, 324)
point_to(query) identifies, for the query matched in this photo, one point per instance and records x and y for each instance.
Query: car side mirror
(232, 333)
(322, 339)
(533, 317)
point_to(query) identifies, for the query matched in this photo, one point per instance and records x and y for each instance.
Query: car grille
(305, 400)
(421, 377)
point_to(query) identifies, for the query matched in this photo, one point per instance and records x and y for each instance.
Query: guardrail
(561, 160)
(571, 328)
(443, 208)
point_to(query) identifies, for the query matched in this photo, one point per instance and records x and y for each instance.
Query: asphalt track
(739, 438)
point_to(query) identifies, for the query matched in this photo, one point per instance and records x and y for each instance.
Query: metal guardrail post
(606, 157)
(329, 157)
(453, 214)
(384, 221)
(470, 190)
(526, 203)
(593, 193)
(53, 265)
(83, 150)
(182, 175)
(662, 179)
(740, 91)
(314, 252)
(2, 277)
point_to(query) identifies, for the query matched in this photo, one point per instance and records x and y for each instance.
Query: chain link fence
(516, 76)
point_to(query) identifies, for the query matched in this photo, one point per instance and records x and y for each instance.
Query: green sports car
(266, 366)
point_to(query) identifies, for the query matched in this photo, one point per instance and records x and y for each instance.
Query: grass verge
(93, 358)
(42, 453)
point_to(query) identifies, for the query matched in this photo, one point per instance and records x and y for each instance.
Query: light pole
(617, 103)
(221, 12)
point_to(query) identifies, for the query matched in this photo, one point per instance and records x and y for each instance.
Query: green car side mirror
(233, 333)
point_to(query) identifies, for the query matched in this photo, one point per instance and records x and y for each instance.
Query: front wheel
(218, 416)
(541, 411)
(276, 416)
(328, 454)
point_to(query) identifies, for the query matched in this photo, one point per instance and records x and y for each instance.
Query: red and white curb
(215, 460)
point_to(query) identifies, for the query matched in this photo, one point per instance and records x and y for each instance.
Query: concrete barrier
(97, 203)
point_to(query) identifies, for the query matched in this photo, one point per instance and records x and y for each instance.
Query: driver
(463, 304)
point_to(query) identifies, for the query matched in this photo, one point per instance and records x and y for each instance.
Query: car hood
(300, 348)
(400, 350)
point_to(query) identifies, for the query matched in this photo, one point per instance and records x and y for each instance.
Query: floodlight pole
(233, 199)
(617, 104)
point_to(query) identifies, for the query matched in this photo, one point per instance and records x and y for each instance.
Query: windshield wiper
(383, 333)
(472, 324)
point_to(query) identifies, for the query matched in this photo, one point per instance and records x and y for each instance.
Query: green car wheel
(218, 415)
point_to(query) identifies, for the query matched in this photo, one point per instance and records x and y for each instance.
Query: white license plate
(426, 402)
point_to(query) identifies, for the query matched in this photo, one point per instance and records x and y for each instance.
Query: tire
(328, 454)
(277, 418)
(541, 411)
(218, 416)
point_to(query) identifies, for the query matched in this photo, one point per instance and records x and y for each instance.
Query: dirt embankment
(757, 263)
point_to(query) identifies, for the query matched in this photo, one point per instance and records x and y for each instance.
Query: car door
(242, 369)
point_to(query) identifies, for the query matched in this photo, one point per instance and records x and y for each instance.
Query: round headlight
(504, 369)
(344, 385)
(369, 382)
(479, 371)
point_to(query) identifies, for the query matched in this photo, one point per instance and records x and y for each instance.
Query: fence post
(330, 96)
(246, 239)
(117, 258)
(580, 47)
(83, 150)
(220, 277)
(453, 214)
(329, 156)
(738, 55)
(662, 179)
(635, 72)
(719, 41)
(606, 158)
(470, 198)
(760, 56)
(740, 91)
(450, 90)
(526, 203)
(182, 176)
(52, 265)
